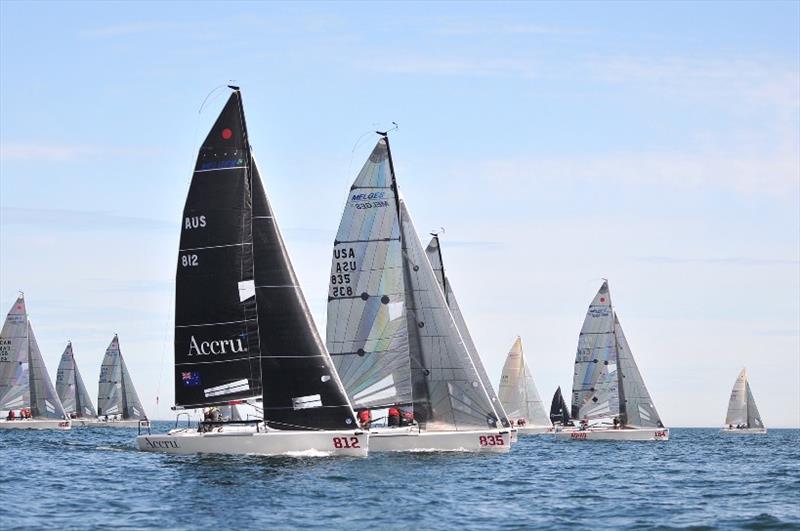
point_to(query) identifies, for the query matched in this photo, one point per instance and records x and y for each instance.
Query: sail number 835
(188, 260)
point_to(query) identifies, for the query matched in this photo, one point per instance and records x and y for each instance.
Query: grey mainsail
(607, 383)
(24, 381)
(742, 409)
(434, 252)
(390, 331)
(70, 387)
(116, 394)
(518, 392)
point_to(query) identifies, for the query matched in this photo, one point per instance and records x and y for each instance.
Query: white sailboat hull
(745, 431)
(130, 423)
(246, 440)
(35, 424)
(533, 430)
(83, 422)
(411, 439)
(627, 434)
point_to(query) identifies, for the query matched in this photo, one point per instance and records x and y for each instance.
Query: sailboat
(519, 395)
(559, 412)
(118, 404)
(743, 416)
(609, 398)
(243, 331)
(24, 382)
(392, 335)
(434, 252)
(72, 391)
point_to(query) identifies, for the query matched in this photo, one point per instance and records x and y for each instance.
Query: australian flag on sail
(190, 378)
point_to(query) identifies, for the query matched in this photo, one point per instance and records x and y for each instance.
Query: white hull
(35, 424)
(533, 430)
(411, 439)
(100, 423)
(745, 431)
(245, 440)
(626, 434)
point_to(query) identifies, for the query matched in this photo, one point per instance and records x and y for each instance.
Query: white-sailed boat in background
(24, 382)
(743, 416)
(434, 252)
(118, 404)
(72, 391)
(393, 336)
(519, 395)
(243, 329)
(609, 397)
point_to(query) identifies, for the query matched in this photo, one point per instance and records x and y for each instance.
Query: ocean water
(96, 479)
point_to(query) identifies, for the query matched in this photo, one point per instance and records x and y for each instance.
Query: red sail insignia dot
(227, 133)
(602, 299)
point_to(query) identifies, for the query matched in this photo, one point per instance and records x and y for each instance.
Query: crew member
(364, 418)
(406, 418)
(11, 415)
(393, 417)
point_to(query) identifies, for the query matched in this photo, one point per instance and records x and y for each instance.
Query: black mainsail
(559, 412)
(242, 326)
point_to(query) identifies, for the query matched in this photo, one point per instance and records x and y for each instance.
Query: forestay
(434, 252)
(518, 392)
(70, 387)
(116, 394)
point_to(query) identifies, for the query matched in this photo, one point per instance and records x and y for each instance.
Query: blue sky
(653, 144)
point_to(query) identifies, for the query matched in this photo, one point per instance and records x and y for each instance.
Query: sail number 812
(189, 260)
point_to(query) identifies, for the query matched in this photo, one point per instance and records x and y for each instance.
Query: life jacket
(394, 412)
(408, 415)
(364, 416)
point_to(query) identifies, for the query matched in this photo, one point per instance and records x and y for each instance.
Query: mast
(419, 386)
(31, 379)
(441, 262)
(623, 409)
(78, 405)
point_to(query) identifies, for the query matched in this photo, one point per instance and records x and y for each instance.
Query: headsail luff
(434, 252)
(742, 410)
(607, 383)
(390, 330)
(243, 328)
(116, 393)
(518, 392)
(44, 402)
(559, 412)
(71, 388)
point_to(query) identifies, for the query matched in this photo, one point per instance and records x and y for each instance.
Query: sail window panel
(207, 287)
(215, 208)
(209, 382)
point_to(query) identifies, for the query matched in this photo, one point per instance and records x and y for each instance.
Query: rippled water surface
(94, 478)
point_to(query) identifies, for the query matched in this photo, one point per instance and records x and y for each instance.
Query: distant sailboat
(743, 416)
(24, 382)
(519, 395)
(609, 397)
(243, 330)
(559, 412)
(72, 391)
(391, 333)
(434, 252)
(118, 404)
